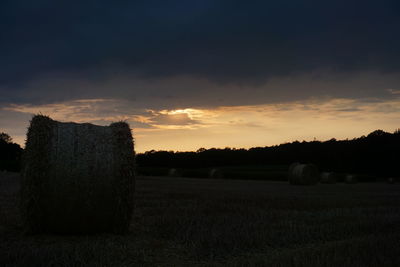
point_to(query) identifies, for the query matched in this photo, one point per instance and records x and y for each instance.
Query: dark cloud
(218, 39)
(235, 45)
(184, 92)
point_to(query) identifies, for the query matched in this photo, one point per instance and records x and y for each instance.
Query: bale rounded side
(77, 178)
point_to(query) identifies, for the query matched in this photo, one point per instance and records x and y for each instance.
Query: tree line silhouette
(10, 154)
(374, 154)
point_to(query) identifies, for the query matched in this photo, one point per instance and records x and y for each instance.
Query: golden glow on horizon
(236, 126)
(190, 112)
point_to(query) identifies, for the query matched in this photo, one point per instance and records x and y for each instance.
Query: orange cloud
(236, 126)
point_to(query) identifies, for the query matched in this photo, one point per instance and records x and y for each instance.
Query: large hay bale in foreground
(77, 178)
(329, 178)
(303, 174)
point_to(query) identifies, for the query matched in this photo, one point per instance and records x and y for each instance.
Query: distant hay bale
(77, 178)
(303, 174)
(391, 180)
(350, 179)
(292, 166)
(174, 173)
(216, 174)
(328, 178)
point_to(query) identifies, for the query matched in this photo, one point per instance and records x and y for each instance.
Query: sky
(192, 74)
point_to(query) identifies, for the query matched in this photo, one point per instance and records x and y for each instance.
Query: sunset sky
(191, 74)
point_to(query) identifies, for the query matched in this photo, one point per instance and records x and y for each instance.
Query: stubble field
(205, 222)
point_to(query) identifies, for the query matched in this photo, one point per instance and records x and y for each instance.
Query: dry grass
(195, 222)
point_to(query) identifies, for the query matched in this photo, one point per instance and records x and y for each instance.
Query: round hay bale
(328, 178)
(292, 166)
(391, 180)
(174, 173)
(77, 178)
(216, 174)
(303, 174)
(350, 179)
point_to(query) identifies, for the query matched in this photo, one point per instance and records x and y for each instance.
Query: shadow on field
(182, 222)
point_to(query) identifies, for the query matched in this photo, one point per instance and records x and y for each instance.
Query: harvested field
(206, 222)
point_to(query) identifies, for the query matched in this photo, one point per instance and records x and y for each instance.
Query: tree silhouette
(10, 154)
(374, 155)
(5, 137)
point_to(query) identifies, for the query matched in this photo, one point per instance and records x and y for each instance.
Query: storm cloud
(230, 46)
